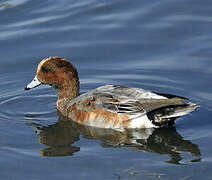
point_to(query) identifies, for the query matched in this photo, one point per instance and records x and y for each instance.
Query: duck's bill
(35, 83)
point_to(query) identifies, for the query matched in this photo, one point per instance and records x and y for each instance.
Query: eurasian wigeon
(108, 106)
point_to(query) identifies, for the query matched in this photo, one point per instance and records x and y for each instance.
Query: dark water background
(159, 45)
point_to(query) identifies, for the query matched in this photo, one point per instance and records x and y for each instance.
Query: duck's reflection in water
(60, 136)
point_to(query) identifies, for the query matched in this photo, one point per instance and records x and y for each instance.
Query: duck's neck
(69, 91)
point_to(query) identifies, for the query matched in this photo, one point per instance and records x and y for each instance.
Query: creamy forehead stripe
(48, 59)
(41, 63)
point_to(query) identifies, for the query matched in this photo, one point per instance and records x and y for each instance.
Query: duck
(108, 106)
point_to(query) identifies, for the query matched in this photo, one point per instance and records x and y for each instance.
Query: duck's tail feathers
(182, 110)
(166, 116)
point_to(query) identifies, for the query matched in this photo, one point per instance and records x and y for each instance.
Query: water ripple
(11, 3)
(164, 46)
(30, 107)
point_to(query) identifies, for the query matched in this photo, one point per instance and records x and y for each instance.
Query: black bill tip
(26, 88)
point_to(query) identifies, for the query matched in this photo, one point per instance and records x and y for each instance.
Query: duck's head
(56, 72)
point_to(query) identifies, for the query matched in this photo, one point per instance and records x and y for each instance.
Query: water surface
(164, 46)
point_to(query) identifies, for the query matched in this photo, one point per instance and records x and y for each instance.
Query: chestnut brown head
(54, 71)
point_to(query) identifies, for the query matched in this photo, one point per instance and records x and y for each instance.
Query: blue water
(164, 46)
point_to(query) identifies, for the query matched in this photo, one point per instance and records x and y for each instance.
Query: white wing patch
(141, 122)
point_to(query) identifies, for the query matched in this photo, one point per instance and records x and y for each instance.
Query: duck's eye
(45, 69)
